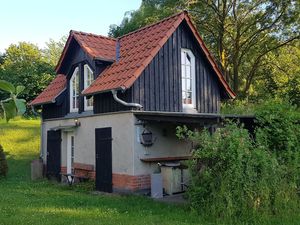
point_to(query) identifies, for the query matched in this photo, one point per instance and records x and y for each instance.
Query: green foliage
(230, 176)
(24, 64)
(239, 107)
(3, 163)
(53, 50)
(12, 106)
(149, 12)
(279, 131)
(280, 77)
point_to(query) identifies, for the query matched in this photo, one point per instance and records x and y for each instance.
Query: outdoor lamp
(77, 122)
(147, 139)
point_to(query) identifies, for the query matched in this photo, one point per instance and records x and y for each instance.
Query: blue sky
(37, 21)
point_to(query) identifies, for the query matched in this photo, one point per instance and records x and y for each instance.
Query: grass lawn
(42, 202)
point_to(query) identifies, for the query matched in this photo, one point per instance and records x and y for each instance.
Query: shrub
(279, 131)
(3, 163)
(230, 176)
(233, 175)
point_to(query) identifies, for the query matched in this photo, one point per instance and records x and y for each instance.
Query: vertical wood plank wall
(159, 86)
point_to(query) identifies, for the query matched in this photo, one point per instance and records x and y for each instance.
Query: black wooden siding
(104, 102)
(75, 57)
(159, 86)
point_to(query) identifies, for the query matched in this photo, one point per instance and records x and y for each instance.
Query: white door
(70, 151)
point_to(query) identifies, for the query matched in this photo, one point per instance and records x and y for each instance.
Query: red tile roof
(137, 50)
(54, 89)
(96, 46)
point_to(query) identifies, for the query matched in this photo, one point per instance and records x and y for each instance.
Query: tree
(149, 12)
(280, 78)
(53, 50)
(244, 32)
(24, 64)
(2, 57)
(12, 105)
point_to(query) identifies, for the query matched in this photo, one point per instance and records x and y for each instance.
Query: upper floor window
(74, 91)
(188, 79)
(88, 79)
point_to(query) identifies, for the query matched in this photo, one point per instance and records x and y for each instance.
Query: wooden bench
(80, 171)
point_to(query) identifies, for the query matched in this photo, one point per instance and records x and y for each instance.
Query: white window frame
(86, 85)
(70, 151)
(74, 76)
(192, 106)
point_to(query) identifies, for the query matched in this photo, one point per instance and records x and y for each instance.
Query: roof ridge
(153, 24)
(92, 34)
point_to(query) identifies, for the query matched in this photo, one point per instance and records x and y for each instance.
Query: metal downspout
(114, 93)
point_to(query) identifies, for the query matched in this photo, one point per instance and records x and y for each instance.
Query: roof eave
(49, 102)
(105, 60)
(103, 91)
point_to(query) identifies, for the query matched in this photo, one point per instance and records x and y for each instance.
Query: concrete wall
(122, 133)
(166, 144)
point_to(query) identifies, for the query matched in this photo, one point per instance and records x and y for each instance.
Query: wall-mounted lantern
(77, 122)
(147, 138)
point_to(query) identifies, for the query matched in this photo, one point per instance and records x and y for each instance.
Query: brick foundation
(131, 183)
(120, 181)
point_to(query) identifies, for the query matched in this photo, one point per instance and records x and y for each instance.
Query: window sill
(189, 108)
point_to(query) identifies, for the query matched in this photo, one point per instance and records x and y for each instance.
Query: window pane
(77, 83)
(188, 85)
(188, 60)
(186, 66)
(183, 71)
(188, 71)
(183, 84)
(89, 102)
(189, 94)
(183, 96)
(182, 57)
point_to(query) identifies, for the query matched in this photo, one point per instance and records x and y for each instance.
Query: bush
(279, 131)
(230, 176)
(3, 163)
(233, 175)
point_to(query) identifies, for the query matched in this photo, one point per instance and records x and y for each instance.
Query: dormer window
(74, 91)
(88, 79)
(188, 79)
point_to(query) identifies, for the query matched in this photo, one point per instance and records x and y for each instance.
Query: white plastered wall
(122, 125)
(166, 144)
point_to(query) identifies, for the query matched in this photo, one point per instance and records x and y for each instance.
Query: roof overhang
(201, 119)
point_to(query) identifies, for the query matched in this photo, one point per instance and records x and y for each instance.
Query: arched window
(88, 79)
(188, 79)
(74, 91)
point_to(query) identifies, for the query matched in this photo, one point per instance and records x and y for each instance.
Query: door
(53, 154)
(103, 159)
(70, 151)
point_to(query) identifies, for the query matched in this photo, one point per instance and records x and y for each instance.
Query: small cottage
(111, 112)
